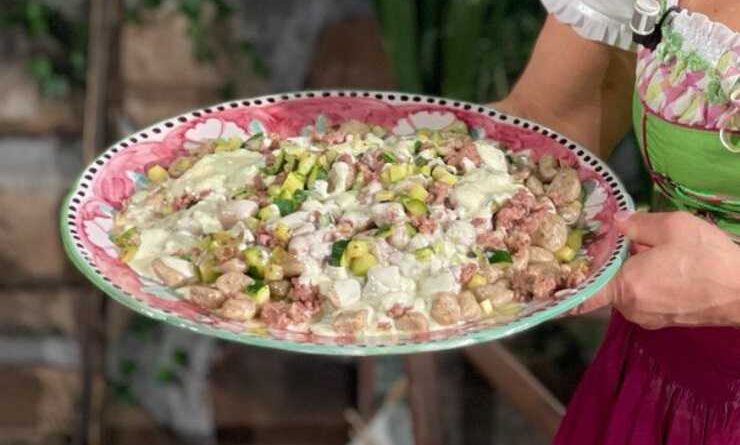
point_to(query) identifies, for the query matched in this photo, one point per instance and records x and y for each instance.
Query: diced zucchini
(565, 254)
(317, 173)
(269, 212)
(208, 271)
(415, 207)
(229, 144)
(418, 192)
(360, 265)
(278, 255)
(222, 237)
(442, 175)
(157, 174)
(180, 166)
(337, 252)
(410, 229)
(292, 149)
(276, 165)
(509, 309)
(486, 306)
(306, 164)
(256, 257)
(293, 181)
(477, 280)
(273, 191)
(384, 196)
(383, 231)
(252, 223)
(128, 252)
(425, 170)
(575, 239)
(128, 237)
(396, 172)
(259, 292)
(357, 248)
(282, 232)
(424, 254)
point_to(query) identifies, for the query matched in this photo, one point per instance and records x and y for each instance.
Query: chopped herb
(255, 287)
(417, 146)
(498, 256)
(254, 272)
(337, 250)
(389, 157)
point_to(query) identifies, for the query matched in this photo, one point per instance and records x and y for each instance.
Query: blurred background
(75, 75)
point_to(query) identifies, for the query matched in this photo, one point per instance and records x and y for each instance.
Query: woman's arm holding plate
(578, 87)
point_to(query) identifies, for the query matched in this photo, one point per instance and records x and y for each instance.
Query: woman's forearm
(578, 87)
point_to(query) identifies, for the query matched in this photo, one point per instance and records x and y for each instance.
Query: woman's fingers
(653, 229)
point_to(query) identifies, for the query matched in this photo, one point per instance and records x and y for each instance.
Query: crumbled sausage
(169, 276)
(414, 322)
(350, 322)
(534, 185)
(445, 308)
(233, 265)
(571, 212)
(547, 167)
(233, 283)
(469, 308)
(239, 309)
(206, 297)
(565, 187)
(552, 233)
(499, 293)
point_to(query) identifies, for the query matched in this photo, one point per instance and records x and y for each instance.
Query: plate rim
(455, 340)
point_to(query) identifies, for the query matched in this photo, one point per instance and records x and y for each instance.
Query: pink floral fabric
(690, 77)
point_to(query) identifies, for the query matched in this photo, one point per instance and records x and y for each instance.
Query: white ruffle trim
(711, 40)
(608, 24)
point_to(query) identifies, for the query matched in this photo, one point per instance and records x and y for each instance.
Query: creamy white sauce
(220, 173)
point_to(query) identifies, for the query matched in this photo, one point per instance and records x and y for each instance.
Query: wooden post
(424, 399)
(102, 71)
(508, 376)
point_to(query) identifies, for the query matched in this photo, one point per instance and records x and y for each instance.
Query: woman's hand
(686, 272)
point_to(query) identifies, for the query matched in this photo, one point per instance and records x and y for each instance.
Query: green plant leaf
(398, 22)
(463, 31)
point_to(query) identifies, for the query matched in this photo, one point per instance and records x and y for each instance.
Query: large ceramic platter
(86, 215)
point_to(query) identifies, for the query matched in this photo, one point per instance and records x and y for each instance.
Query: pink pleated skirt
(674, 386)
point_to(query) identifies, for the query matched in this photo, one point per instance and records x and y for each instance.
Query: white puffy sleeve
(606, 21)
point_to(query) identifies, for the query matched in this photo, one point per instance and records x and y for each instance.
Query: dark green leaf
(389, 157)
(498, 256)
(286, 206)
(255, 287)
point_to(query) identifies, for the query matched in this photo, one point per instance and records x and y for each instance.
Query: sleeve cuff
(593, 24)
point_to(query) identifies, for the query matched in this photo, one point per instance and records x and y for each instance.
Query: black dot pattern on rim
(182, 119)
(157, 130)
(133, 140)
(310, 94)
(341, 94)
(271, 100)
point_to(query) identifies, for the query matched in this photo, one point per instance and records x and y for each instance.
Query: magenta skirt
(675, 386)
